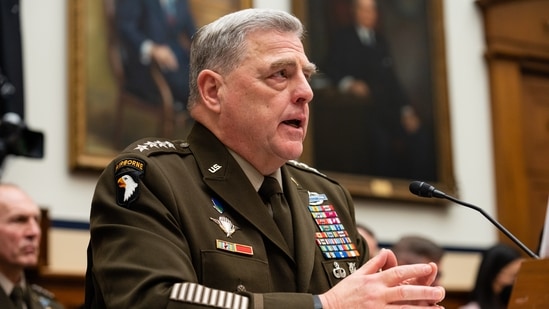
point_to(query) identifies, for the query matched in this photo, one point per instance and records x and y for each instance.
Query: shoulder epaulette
(150, 146)
(42, 292)
(305, 167)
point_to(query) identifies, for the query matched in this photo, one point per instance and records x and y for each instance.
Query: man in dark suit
(190, 224)
(157, 31)
(360, 64)
(19, 246)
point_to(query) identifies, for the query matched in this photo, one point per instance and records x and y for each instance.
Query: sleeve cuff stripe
(194, 293)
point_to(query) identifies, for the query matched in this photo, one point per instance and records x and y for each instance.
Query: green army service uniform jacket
(177, 224)
(36, 298)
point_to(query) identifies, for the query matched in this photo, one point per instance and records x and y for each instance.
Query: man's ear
(209, 83)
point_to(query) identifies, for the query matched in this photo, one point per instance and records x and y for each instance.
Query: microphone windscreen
(421, 188)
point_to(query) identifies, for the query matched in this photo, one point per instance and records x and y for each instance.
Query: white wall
(68, 195)
(44, 30)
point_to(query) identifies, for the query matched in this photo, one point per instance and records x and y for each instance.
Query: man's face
(366, 13)
(265, 101)
(19, 229)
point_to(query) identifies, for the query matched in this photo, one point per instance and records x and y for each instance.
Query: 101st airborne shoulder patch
(127, 174)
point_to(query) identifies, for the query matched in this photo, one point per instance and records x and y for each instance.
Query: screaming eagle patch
(127, 173)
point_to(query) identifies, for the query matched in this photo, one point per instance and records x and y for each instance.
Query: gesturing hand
(381, 283)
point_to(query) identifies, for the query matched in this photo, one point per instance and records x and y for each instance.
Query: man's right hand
(381, 283)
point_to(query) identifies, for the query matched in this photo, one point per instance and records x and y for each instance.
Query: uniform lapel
(298, 198)
(222, 174)
(5, 301)
(34, 300)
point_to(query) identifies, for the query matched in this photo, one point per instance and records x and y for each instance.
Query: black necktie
(16, 297)
(272, 194)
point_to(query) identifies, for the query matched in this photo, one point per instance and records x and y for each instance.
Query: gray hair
(220, 45)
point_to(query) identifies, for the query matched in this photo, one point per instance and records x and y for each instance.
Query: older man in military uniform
(19, 247)
(226, 219)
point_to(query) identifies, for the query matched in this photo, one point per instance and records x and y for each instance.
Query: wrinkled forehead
(13, 200)
(274, 42)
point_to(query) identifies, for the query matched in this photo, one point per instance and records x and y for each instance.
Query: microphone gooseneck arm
(497, 224)
(425, 190)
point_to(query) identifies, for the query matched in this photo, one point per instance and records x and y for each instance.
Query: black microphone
(424, 189)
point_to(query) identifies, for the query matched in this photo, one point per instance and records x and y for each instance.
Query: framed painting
(379, 117)
(108, 106)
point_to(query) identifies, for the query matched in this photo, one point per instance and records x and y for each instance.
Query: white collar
(8, 286)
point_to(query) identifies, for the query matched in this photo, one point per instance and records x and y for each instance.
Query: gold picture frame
(92, 84)
(325, 137)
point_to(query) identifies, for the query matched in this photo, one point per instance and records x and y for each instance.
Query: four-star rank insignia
(127, 175)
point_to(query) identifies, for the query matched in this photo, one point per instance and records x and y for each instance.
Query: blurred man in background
(19, 248)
